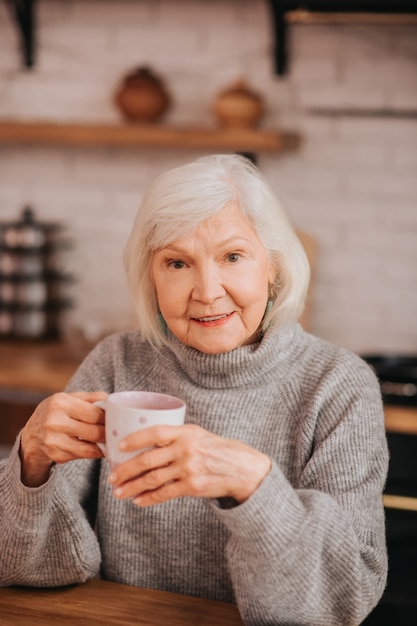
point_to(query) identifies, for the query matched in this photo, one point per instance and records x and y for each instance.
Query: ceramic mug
(129, 411)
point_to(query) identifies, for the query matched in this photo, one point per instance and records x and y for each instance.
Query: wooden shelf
(309, 17)
(37, 366)
(399, 419)
(132, 135)
(404, 503)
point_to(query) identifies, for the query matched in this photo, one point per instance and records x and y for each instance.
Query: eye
(233, 257)
(177, 264)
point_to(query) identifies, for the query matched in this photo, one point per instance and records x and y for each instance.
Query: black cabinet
(398, 606)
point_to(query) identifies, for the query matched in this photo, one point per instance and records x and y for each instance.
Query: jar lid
(27, 232)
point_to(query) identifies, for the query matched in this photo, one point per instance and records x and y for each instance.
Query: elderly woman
(270, 494)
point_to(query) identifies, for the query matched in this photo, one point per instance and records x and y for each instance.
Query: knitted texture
(308, 547)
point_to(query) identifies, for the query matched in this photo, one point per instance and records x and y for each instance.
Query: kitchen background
(350, 92)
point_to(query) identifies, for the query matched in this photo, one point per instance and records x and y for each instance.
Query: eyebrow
(235, 240)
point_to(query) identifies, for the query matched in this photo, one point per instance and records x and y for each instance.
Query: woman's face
(212, 287)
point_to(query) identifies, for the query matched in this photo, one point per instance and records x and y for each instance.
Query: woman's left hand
(187, 461)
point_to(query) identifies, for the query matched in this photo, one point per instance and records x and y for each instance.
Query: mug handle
(102, 405)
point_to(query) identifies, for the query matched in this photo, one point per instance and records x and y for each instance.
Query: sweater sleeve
(314, 552)
(46, 533)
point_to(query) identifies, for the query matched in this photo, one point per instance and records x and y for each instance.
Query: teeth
(211, 319)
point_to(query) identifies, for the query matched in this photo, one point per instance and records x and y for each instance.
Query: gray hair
(180, 199)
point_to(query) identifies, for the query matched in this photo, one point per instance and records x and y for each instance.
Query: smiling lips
(212, 320)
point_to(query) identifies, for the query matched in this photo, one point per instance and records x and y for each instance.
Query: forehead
(227, 224)
(230, 217)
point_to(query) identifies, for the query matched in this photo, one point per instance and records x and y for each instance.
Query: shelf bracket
(280, 8)
(23, 15)
(279, 29)
(249, 155)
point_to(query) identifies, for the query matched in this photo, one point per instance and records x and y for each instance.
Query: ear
(272, 273)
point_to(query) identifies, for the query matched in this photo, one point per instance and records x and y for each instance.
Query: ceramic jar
(24, 234)
(30, 281)
(238, 106)
(142, 96)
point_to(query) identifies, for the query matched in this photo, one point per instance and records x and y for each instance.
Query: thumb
(90, 396)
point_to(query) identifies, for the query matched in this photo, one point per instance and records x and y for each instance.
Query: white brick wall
(352, 184)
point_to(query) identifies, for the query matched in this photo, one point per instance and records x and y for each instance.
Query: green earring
(162, 324)
(271, 299)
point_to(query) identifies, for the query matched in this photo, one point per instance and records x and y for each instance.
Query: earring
(271, 298)
(162, 323)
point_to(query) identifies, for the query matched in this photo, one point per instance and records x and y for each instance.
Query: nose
(208, 284)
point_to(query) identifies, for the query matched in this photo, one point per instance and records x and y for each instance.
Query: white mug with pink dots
(129, 411)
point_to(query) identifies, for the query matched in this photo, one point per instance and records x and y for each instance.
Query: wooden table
(102, 603)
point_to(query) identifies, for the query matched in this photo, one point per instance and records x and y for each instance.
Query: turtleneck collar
(242, 366)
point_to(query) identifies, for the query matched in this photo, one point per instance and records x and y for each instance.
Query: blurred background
(322, 95)
(349, 92)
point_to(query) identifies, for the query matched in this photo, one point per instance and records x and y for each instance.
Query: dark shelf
(23, 13)
(285, 11)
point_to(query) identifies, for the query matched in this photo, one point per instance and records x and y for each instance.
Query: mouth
(212, 320)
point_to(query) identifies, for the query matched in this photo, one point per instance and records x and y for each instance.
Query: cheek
(251, 287)
(172, 298)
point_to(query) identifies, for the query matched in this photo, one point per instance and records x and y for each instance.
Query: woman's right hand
(63, 427)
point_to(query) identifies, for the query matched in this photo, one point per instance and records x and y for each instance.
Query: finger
(160, 436)
(144, 462)
(65, 449)
(149, 481)
(94, 433)
(89, 396)
(83, 405)
(168, 491)
(75, 407)
(71, 419)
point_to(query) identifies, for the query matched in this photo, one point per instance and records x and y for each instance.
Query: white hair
(180, 199)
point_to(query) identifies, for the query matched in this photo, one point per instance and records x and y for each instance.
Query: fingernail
(112, 478)
(123, 445)
(118, 492)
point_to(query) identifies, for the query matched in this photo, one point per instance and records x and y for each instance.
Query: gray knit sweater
(308, 547)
